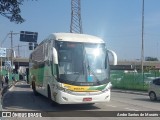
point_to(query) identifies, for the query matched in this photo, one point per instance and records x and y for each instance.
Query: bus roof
(74, 37)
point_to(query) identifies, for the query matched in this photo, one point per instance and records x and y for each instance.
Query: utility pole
(3, 50)
(18, 51)
(142, 48)
(76, 22)
(11, 49)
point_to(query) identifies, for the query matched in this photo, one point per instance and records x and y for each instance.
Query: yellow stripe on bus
(78, 88)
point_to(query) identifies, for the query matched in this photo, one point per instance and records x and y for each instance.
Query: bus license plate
(87, 99)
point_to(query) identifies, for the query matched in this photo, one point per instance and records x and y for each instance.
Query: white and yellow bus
(71, 68)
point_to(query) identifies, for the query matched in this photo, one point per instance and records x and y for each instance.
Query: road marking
(12, 86)
(111, 106)
(10, 89)
(131, 109)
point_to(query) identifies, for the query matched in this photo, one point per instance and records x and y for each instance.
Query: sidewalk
(2, 92)
(4, 89)
(130, 91)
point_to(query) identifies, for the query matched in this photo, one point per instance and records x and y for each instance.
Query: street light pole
(142, 47)
(12, 52)
(1, 42)
(11, 49)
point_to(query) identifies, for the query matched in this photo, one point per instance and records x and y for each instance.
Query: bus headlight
(63, 89)
(109, 85)
(60, 88)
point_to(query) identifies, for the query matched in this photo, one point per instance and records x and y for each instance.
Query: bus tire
(49, 93)
(152, 96)
(34, 89)
(49, 97)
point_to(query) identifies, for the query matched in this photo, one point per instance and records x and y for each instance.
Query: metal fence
(4, 72)
(132, 80)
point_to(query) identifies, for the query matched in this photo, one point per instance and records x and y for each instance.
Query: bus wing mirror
(114, 56)
(55, 56)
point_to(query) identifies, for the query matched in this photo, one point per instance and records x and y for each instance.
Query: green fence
(4, 72)
(132, 80)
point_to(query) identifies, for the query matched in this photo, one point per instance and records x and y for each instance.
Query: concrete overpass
(125, 64)
(136, 65)
(21, 61)
(18, 61)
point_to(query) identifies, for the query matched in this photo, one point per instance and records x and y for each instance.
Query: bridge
(129, 65)
(120, 65)
(21, 61)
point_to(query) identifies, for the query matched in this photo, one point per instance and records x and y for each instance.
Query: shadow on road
(23, 86)
(146, 100)
(77, 107)
(66, 107)
(22, 98)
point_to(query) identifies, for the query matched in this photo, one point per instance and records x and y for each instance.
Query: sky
(117, 22)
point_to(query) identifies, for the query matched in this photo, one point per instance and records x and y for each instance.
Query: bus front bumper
(67, 98)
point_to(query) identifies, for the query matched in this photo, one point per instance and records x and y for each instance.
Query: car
(154, 89)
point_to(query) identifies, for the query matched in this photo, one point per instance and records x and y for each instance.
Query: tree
(10, 9)
(151, 59)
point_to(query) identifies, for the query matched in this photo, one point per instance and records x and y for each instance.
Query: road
(21, 98)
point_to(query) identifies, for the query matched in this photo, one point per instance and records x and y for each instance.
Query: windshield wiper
(92, 72)
(90, 69)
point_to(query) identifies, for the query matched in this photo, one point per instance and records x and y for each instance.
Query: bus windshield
(82, 64)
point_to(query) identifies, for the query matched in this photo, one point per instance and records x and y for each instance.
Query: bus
(71, 68)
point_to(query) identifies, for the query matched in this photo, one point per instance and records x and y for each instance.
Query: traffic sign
(26, 36)
(8, 64)
(2, 52)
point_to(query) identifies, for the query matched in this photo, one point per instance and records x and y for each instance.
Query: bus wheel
(49, 97)
(34, 88)
(49, 93)
(152, 96)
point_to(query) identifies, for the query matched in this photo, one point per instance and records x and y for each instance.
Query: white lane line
(131, 109)
(12, 87)
(111, 106)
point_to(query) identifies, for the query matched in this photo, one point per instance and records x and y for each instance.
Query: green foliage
(11, 10)
(151, 59)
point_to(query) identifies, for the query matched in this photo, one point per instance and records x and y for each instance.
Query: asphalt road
(21, 98)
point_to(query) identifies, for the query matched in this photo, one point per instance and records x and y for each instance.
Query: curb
(4, 90)
(130, 92)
